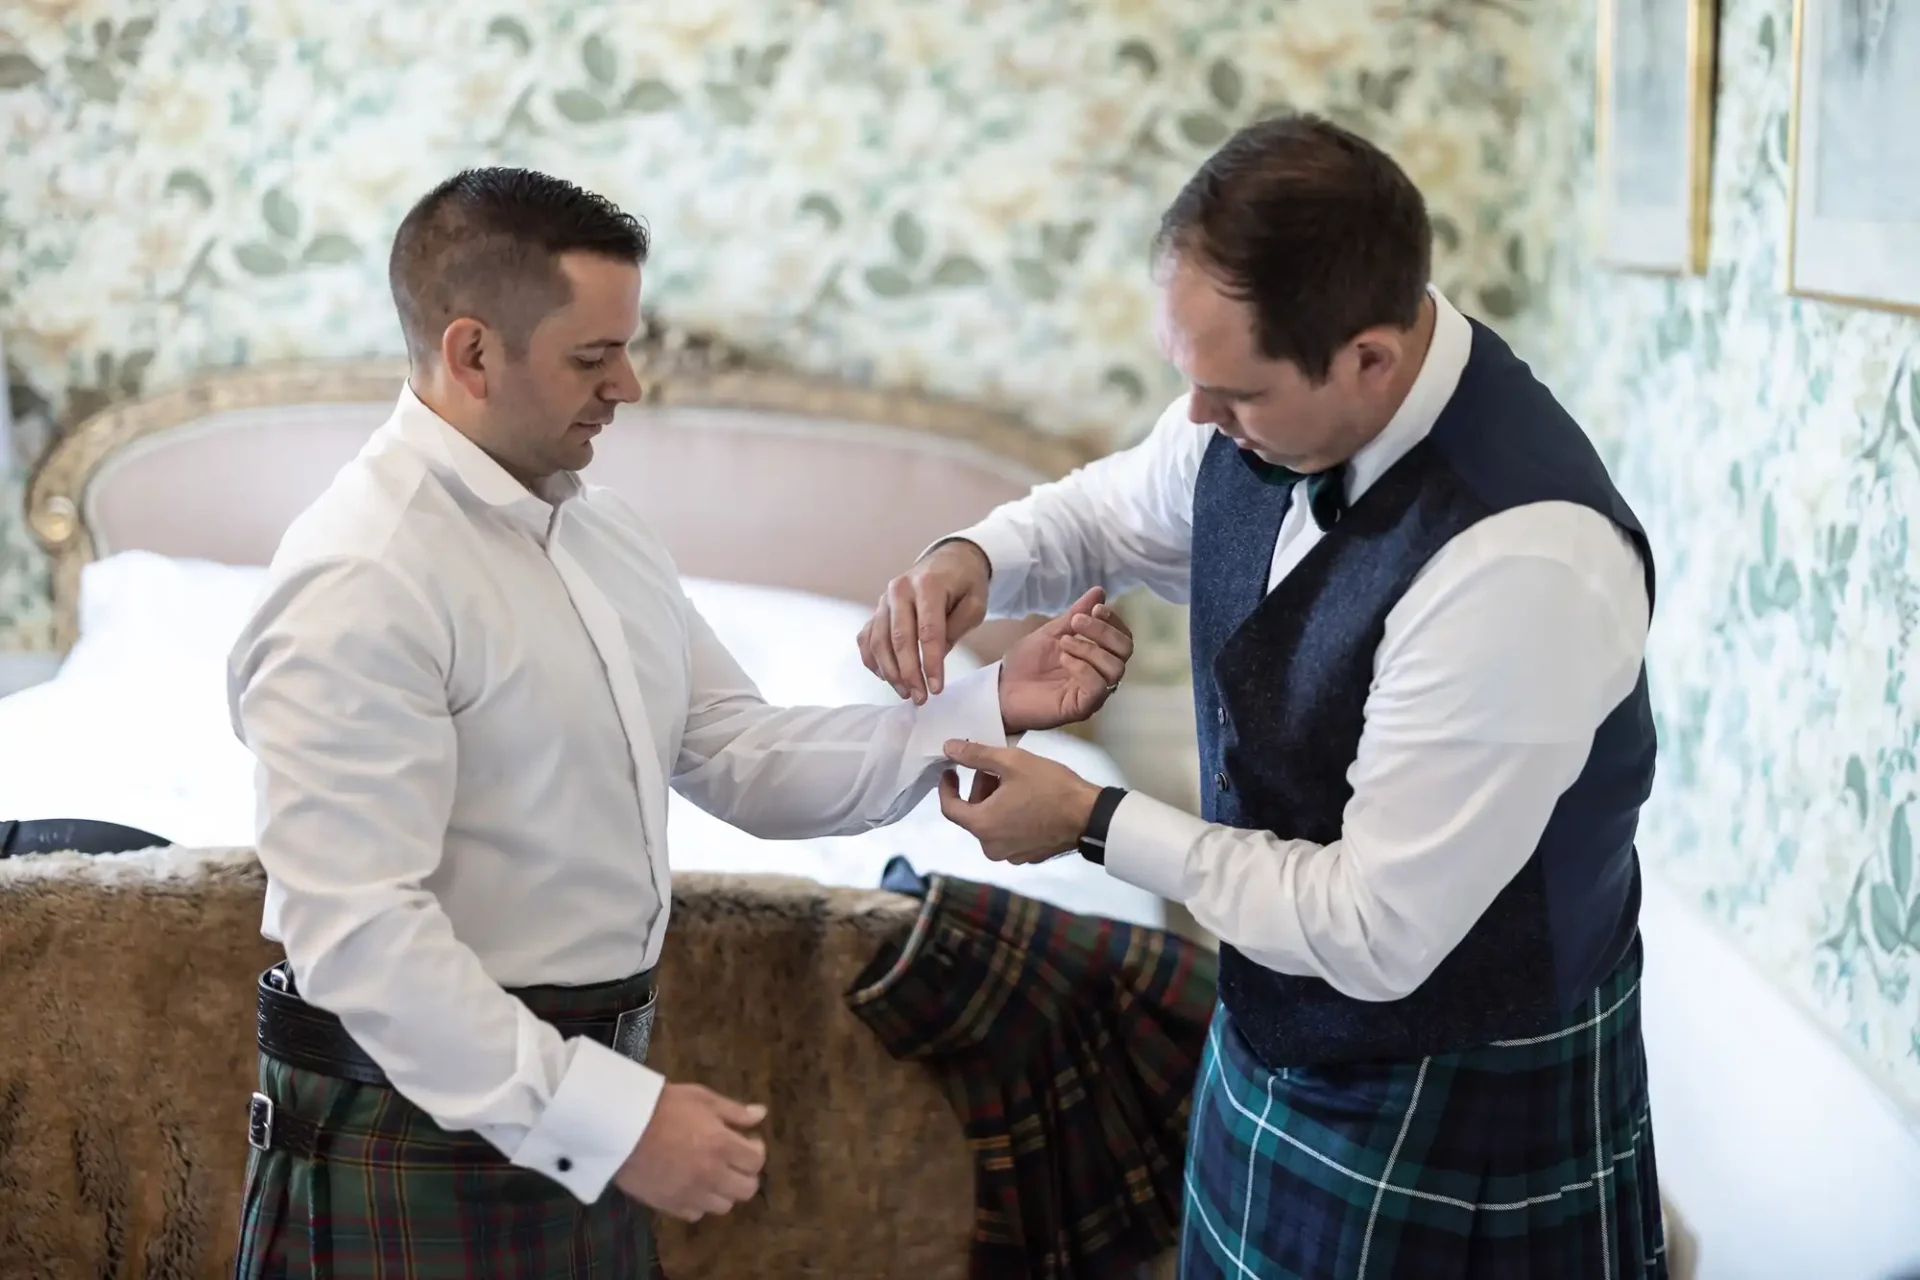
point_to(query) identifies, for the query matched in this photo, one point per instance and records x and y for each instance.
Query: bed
(787, 502)
(134, 971)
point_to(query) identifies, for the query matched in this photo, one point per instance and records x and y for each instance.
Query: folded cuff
(1148, 842)
(594, 1121)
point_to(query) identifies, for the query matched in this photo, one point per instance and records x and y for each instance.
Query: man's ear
(1375, 354)
(466, 350)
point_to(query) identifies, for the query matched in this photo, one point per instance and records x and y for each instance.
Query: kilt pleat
(1521, 1160)
(390, 1195)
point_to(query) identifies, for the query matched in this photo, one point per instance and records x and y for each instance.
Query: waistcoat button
(1219, 782)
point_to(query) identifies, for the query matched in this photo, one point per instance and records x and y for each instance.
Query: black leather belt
(291, 1031)
(301, 1035)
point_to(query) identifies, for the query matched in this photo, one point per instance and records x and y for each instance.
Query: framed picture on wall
(1853, 192)
(1654, 132)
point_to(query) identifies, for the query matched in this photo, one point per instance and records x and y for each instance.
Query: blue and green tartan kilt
(1520, 1160)
(390, 1195)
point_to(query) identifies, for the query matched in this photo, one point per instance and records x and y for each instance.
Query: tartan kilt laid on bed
(1068, 1046)
(1520, 1160)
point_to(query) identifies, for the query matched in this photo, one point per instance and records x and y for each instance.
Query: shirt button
(1219, 782)
(564, 1165)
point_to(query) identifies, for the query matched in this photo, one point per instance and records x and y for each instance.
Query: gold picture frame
(1654, 195)
(1871, 259)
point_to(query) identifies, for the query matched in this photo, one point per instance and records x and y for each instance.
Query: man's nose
(1205, 410)
(624, 386)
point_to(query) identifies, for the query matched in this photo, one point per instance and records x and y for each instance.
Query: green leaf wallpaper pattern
(1772, 445)
(959, 195)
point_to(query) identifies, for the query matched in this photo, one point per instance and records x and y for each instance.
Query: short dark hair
(485, 244)
(1314, 226)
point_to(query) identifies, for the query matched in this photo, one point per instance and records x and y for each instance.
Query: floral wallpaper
(959, 194)
(955, 194)
(1773, 446)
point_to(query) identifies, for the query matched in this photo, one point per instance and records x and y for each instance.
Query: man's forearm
(798, 772)
(1045, 551)
(1120, 522)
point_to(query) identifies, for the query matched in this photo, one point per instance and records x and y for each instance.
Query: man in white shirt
(469, 685)
(1419, 611)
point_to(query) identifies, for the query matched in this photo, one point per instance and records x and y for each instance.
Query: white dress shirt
(467, 703)
(1498, 664)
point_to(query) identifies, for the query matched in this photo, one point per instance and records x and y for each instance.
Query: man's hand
(1024, 808)
(924, 613)
(1065, 671)
(693, 1159)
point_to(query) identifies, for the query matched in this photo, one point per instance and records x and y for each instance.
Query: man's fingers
(882, 641)
(865, 642)
(905, 636)
(932, 613)
(1102, 631)
(712, 1202)
(745, 1155)
(984, 785)
(974, 755)
(737, 1187)
(1110, 665)
(957, 811)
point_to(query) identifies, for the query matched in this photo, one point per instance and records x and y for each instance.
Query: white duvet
(134, 729)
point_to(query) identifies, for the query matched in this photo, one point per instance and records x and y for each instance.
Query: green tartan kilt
(392, 1196)
(1521, 1160)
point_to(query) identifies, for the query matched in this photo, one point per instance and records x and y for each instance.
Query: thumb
(738, 1114)
(975, 755)
(1086, 603)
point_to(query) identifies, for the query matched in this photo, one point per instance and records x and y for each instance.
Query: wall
(954, 195)
(1773, 447)
(959, 196)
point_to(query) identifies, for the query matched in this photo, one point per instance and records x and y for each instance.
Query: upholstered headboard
(750, 472)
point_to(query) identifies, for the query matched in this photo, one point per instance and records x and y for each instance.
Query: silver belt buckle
(634, 1029)
(260, 1122)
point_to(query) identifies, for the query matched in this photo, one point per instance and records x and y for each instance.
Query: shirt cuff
(968, 708)
(594, 1121)
(1148, 842)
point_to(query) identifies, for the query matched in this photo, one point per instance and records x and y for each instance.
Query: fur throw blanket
(126, 1016)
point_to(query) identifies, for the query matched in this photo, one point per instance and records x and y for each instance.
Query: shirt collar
(1432, 388)
(458, 460)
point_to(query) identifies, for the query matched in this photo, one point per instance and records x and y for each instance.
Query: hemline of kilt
(1522, 1159)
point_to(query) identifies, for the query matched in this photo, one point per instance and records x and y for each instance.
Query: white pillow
(799, 648)
(143, 614)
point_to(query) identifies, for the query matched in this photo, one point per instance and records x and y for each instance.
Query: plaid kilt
(393, 1196)
(1068, 1046)
(1529, 1158)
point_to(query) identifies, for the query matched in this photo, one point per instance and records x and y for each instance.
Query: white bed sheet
(126, 734)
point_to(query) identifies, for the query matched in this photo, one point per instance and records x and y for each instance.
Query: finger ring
(1112, 687)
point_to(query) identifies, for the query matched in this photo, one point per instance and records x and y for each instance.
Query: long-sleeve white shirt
(1497, 666)
(467, 703)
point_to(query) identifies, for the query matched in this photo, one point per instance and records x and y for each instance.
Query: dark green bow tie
(1326, 490)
